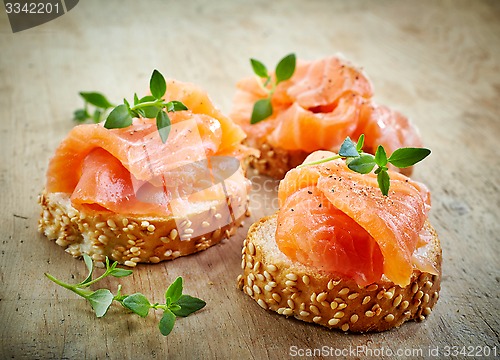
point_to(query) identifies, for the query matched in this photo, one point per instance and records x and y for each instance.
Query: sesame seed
(267, 275)
(125, 222)
(256, 266)
(291, 304)
(426, 298)
(366, 299)
(129, 263)
(304, 313)
(334, 305)
(100, 225)
(272, 268)
(353, 296)
(131, 237)
(205, 224)
(421, 317)
(276, 297)
(131, 227)
(414, 288)
(397, 300)
(369, 313)
(305, 279)
(260, 277)
(342, 306)
(251, 276)
(216, 234)
(243, 263)
(262, 304)
(154, 259)
(380, 294)
(344, 291)
(111, 223)
(313, 297)
(176, 254)
(291, 276)
(354, 318)
(186, 237)
(280, 310)
(151, 228)
(249, 264)
(290, 283)
(164, 239)
(256, 289)
(218, 216)
(173, 234)
(251, 248)
(134, 249)
(427, 311)
(272, 284)
(419, 295)
(345, 327)
(389, 318)
(249, 291)
(314, 309)
(144, 224)
(428, 285)
(167, 253)
(333, 321)
(404, 304)
(189, 231)
(103, 239)
(317, 319)
(435, 295)
(287, 312)
(339, 315)
(321, 297)
(268, 288)
(372, 287)
(388, 295)
(135, 259)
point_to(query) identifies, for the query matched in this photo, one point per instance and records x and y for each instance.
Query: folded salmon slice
(131, 171)
(392, 224)
(322, 103)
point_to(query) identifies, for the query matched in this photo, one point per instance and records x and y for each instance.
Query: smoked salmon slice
(338, 221)
(323, 102)
(131, 171)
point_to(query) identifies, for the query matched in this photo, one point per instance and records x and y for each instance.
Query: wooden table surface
(436, 61)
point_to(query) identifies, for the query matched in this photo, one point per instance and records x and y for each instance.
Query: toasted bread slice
(277, 283)
(134, 239)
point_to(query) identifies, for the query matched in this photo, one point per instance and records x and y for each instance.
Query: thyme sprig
(359, 161)
(263, 108)
(176, 304)
(120, 116)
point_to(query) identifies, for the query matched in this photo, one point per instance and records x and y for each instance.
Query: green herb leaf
(147, 98)
(118, 272)
(167, 322)
(175, 105)
(348, 148)
(383, 182)
(119, 117)
(405, 157)
(188, 305)
(81, 115)
(163, 125)
(96, 99)
(136, 99)
(149, 112)
(381, 156)
(362, 164)
(90, 267)
(285, 68)
(360, 143)
(259, 68)
(101, 301)
(157, 85)
(97, 116)
(262, 109)
(174, 291)
(137, 303)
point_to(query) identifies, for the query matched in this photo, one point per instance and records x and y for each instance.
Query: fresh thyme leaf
(381, 156)
(360, 143)
(174, 291)
(262, 109)
(163, 125)
(101, 301)
(137, 303)
(136, 99)
(383, 182)
(81, 115)
(119, 117)
(259, 68)
(362, 164)
(90, 266)
(157, 84)
(118, 272)
(96, 99)
(405, 157)
(189, 305)
(175, 105)
(348, 148)
(97, 116)
(285, 68)
(150, 112)
(167, 322)
(146, 98)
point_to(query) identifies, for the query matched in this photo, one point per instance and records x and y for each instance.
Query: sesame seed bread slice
(277, 283)
(136, 239)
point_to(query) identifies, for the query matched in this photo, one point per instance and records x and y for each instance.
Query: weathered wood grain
(438, 62)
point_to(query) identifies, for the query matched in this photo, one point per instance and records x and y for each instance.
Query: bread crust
(133, 239)
(276, 283)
